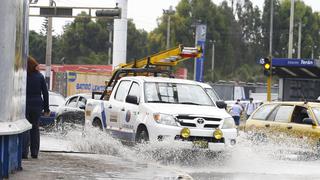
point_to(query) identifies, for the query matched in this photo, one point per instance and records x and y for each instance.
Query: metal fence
(230, 91)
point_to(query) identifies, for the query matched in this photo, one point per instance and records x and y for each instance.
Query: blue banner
(201, 31)
(199, 62)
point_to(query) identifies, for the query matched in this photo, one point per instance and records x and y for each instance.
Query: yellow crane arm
(170, 57)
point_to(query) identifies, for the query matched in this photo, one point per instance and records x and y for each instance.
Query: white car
(154, 108)
(72, 111)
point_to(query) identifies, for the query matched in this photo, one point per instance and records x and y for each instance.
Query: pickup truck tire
(97, 123)
(142, 135)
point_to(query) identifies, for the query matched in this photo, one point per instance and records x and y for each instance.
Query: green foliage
(240, 37)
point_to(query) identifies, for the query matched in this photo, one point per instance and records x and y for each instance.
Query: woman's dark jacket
(36, 86)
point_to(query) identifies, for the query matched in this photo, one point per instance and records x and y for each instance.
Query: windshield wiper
(54, 105)
(159, 102)
(192, 103)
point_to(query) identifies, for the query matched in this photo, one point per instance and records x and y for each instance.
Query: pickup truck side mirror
(308, 121)
(221, 104)
(82, 106)
(132, 99)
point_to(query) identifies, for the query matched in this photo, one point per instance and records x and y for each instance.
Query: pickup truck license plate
(200, 144)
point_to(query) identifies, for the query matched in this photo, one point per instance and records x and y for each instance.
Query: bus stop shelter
(299, 79)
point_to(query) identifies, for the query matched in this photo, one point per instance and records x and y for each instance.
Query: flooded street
(103, 157)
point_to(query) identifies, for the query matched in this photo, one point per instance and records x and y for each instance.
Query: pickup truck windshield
(316, 111)
(212, 94)
(156, 92)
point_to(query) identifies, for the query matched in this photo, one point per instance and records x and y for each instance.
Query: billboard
(79, 82)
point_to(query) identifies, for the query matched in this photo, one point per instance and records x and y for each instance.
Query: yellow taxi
(295, 119)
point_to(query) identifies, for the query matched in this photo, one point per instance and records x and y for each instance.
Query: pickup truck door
(129, 112)
(116, 105)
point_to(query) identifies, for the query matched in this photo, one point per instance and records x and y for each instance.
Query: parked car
(72, 111)
(55, 100)
(299, 120)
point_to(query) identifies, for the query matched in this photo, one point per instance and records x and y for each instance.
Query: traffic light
(267, 66)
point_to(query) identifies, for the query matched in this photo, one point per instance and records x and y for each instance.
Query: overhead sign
(286, 62)
(55, 11)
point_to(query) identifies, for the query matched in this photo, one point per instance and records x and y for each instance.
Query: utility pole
(169, 12)
(49, 48)
(269, 78)
(110, 27)
(168, 32)
(271, 29)
(212, 61)
(291, 30)
(299, 40)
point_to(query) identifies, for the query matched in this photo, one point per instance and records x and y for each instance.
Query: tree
(37, 46)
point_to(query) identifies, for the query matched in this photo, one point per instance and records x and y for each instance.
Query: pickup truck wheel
(142, 136)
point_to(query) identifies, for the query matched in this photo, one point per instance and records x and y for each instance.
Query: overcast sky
(143, 12)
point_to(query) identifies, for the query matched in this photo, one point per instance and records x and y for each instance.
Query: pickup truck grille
(211, 126)
(188, 124)
(192, 121)
(192, 117)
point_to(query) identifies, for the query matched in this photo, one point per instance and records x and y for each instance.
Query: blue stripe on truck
(103, 116)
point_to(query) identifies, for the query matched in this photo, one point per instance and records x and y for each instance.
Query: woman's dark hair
(32, 64)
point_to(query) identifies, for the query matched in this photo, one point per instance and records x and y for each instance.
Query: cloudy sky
(143, 12)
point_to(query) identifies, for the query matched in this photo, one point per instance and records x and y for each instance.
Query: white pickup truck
(152, 109)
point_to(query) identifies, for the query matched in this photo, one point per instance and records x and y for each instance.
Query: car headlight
(165, 119)
(228, 123)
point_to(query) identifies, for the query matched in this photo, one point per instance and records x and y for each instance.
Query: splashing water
(277, 159)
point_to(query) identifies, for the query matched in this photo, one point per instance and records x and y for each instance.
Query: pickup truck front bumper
(198, 137)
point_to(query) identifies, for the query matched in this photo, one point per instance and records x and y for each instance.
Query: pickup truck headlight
(165, 119)
(228, 123)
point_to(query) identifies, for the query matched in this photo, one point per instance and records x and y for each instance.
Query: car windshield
(56, 100)
(176, 93)
(316, 111)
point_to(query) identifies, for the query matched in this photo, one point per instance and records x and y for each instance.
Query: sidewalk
(52, 166)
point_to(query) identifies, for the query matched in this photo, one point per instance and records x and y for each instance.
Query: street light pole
(212, 61)
(269, 80)
(168, 32)
(271, 29)
(291, 30)
(49, 48)
(169, 12)
(299, 40)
